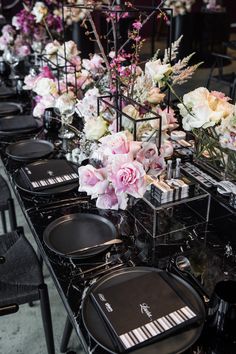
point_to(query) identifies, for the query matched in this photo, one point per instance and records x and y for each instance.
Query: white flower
(39, 11)
(68, 50)
(95, 128)
(15, 22)
(202, 108)
(45, 86)
(156, 70)
(87, 107)
(52, 47)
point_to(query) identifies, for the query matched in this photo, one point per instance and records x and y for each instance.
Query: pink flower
(110, 200)
(220, 96)
(157, 165)
(116, 144)
(128, 178)
(39, 109)
(145, 155)
(23, 50)
(137, 25)
(30, 82)
(168, 118)
(46, 72)
(94, 65)
(92, 181)
(166, 149)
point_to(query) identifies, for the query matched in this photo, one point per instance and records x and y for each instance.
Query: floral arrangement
(76, 80)
(212, 4)
(201, 108)
(180, 7)
(212, 119)
(31, 27)
(123, 166)
(10, 39)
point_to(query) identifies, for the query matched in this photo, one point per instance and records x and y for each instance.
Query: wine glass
(65, 109)
(12, 58)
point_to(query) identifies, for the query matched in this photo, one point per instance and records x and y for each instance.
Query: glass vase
(209, 152)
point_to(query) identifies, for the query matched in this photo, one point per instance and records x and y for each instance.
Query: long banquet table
(211, 247)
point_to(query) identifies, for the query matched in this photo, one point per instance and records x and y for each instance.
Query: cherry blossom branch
(144, 22)
(90, 19)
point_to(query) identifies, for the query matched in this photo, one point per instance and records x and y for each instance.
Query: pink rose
(76, 64)
(116, 144)
(166, 149)
(128, 178)
(92, 181)
(110, 200)
(146, 153)
(168, 118)
(157, 165)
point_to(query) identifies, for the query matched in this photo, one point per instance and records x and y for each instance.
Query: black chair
(66, 335)
(21, 280)
(218, 74)
(6, 204)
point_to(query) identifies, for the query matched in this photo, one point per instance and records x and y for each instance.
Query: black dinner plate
(12, 120)
(31, 149)
(77, 231)
(22, 184)
(7, 108)
(173, 344)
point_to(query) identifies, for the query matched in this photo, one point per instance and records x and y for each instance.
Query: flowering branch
(89, 16)
(144, 22)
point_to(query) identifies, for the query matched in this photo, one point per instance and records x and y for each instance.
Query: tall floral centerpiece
(211, 118)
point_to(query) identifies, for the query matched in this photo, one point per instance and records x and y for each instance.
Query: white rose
(45, 86)
(95, 128)
(52, 47)
(156, 70)
(39, 11)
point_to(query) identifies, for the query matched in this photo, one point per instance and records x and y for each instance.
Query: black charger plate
(7, 108)
(22, 184)
(17, 131)
(76, 231)
(174, 344)
(6, 92)
(31, 149)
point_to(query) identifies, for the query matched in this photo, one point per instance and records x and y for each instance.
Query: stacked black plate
(30, 149)
(13, 125)
(78, 231)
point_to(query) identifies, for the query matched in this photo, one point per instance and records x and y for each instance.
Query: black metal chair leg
(66, 336)
(4, 223)
(40, 258)
(46, 317)
(12, 214)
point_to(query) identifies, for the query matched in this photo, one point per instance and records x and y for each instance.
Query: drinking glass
(12, 58)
